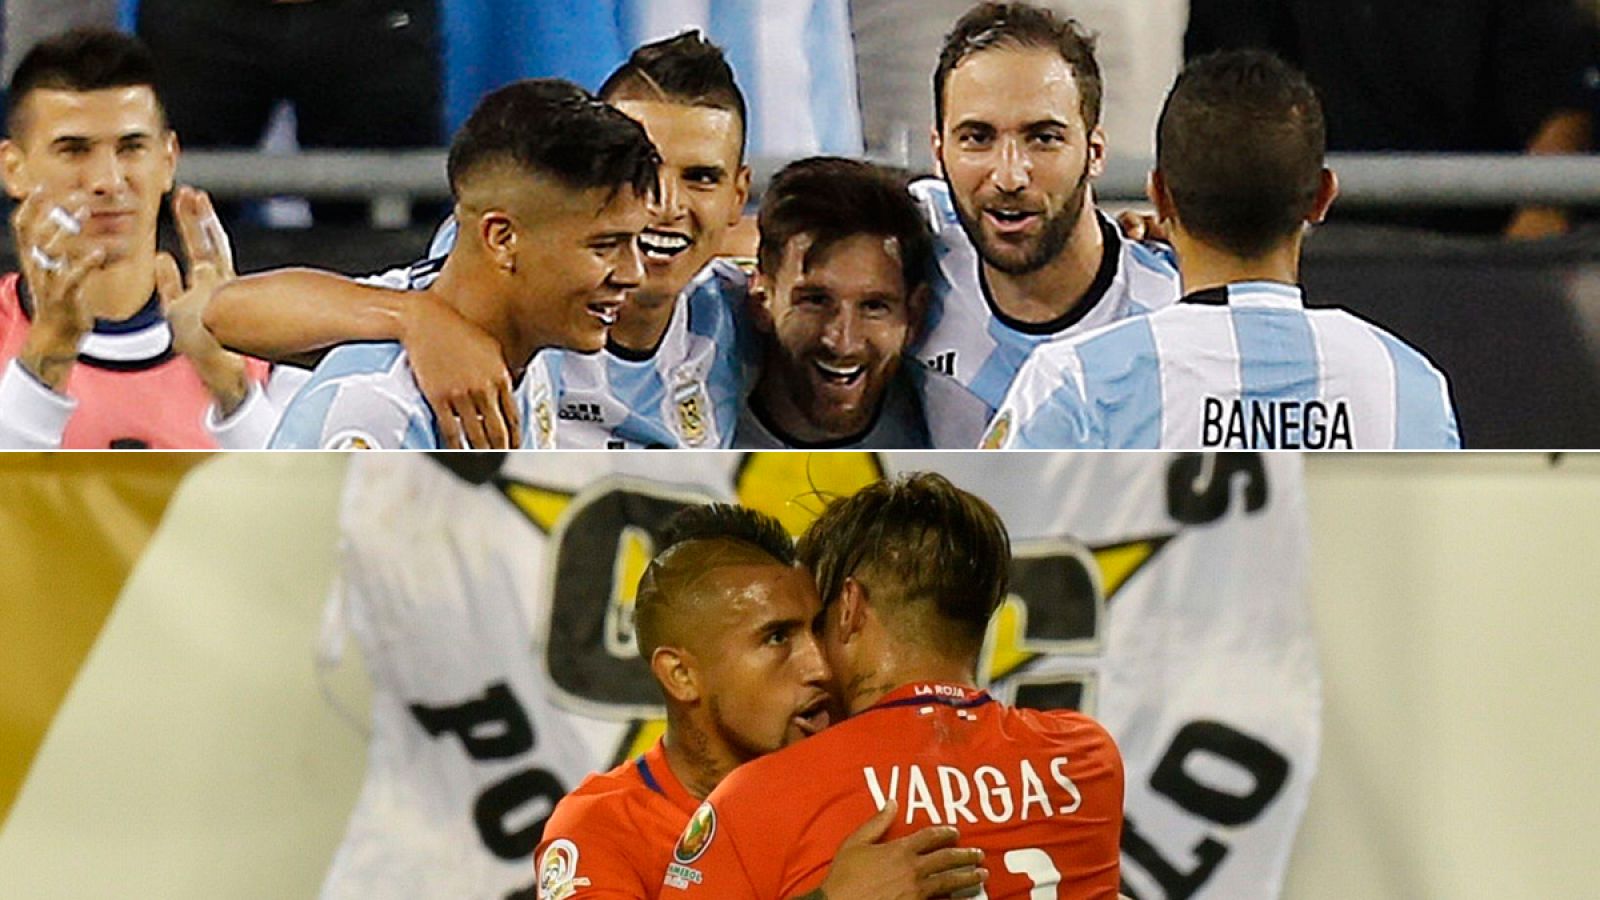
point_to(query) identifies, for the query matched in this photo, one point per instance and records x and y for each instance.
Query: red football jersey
(613, 836)
(131, 389)
(1039, 792)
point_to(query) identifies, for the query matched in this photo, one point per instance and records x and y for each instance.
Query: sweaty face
(108, 149)
(762, 671)
(577, 261)
(841, 326)
(1016, 154)
(702, 191)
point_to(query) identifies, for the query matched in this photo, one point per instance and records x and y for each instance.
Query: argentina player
(552, 187)
(671, 373)
(1239, 362)
(1024, 257)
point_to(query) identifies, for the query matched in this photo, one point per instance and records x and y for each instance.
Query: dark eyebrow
(71, 141)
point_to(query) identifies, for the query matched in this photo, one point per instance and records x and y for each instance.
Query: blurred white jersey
(1243, 367)
(968, 338)
(794, 59)
(1162, 593)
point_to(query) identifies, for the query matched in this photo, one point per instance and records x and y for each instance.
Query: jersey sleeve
(348, 415)
(580, 857)
(32, 417)
(709, 862)
(1046, 407)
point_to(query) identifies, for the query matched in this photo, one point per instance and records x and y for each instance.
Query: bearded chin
(1052, 238)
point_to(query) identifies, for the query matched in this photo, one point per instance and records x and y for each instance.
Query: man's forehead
(687, 134)
(1011, 85)
(108, 109)
(880, 252)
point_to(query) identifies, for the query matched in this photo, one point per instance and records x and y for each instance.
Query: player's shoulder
(602, 799)
(714, 293)
(933, 196)
(1063, 729)
(955, 416)
(359, 396)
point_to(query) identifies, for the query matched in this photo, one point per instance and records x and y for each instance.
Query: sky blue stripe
(300, 428)
(1000, 367)
(1160, 261)
(835, 100)
(1062, 423)
(732, 27)
(1277, 354)
(1123, 375)
(420, 434)
(640, 388)
(1422, 422)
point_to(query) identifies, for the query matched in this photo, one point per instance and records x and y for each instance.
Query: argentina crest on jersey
(692, 406)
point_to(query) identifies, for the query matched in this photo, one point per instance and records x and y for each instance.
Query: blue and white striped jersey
(687, 393)
(968, 338)
(364, 396)
(1247, 366)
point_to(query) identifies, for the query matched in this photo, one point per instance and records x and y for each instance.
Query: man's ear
(499, 234)
(916, 313)
(853, 610)
(1096, 164)
(758, 302)
(14, 168)
(677, 672)
(741, 191)
(1155, 188)
(936, 144)
(1327, 190)
(170, 149)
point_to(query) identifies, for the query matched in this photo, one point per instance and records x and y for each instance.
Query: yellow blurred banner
(71, 527)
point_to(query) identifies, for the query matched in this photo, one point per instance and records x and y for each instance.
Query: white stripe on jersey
(1245, 367)
(966, 338)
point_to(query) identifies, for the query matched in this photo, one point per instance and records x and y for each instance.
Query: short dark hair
(729, 522)
(677, 568)
(922, 545)
(1240, 145)
(1019, 26)
(832, 198)
(80, 60)
(685, 68)
(553, 127)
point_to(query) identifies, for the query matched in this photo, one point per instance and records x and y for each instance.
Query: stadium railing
(1396, 181)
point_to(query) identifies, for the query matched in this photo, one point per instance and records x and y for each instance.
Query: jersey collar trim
(938, 693)
(143, 340)
(1243, 294)
(658, 777)
(1110, 254)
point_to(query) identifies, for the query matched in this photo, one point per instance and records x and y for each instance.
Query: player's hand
(222, 371)
(923, 865)
(462, 375)
(55, 261)
(1139, 225)
(204, 240)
